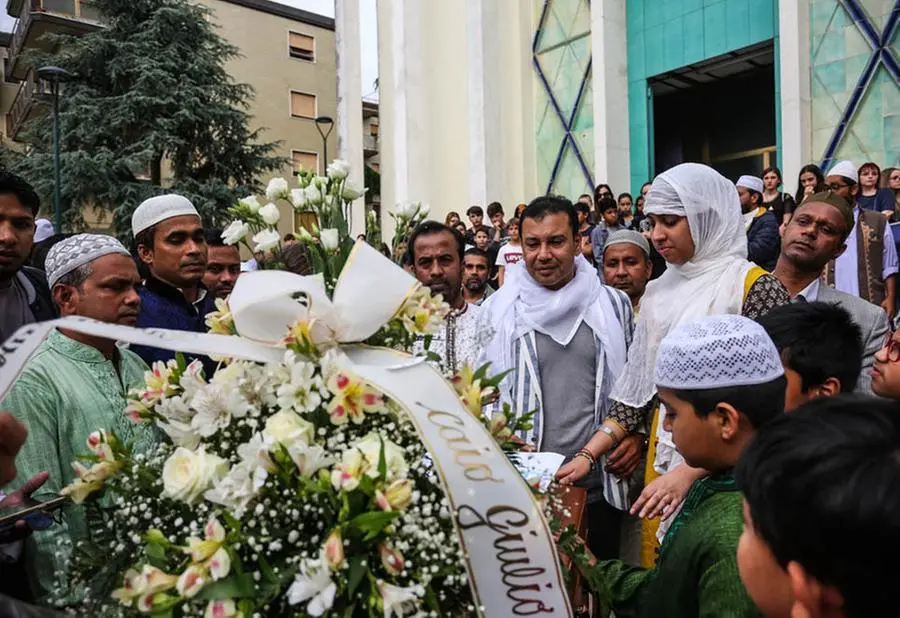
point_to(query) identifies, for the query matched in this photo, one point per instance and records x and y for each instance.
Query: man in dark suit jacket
(815, 235)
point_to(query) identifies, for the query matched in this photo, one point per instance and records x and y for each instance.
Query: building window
(305, 159)
(373, 130)
(302, 46)
(303, 105)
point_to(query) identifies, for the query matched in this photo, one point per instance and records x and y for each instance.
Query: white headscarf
(711, 282)
(522, 305)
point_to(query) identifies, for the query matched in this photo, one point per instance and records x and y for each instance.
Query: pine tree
(150, 97)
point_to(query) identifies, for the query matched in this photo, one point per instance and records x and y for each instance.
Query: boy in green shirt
(719, 378)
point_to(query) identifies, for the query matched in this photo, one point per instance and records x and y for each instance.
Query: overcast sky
(368, 34)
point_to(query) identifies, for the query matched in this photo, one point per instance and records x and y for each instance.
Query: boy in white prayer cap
(170, 241)
(75, 384)
(720, 378)
(868, 268)
(763, 240)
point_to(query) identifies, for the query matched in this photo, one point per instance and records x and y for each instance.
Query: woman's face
(625, 205)
(894, 180)
(453, 221)
(639, 205)
(868, 178)
(671, 235)
(771, 181)
(807, 179)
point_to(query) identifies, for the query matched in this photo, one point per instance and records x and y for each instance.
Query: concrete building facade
(504, 99)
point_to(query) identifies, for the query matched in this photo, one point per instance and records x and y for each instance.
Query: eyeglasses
(893, 348)
(835, 186)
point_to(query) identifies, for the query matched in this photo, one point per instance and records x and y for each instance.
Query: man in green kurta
(719, 378)
(74, 385)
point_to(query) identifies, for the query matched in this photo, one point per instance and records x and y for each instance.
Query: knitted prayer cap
(629, 237)
(717, 351)
(160, 208)
(832, 199)
(845, 169)
(750, 182)
(70, 253)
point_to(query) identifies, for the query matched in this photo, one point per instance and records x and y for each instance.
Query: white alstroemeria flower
(301, 391)
(313, 584)
(216, 405)
(255, 453)
(399, 601)
(219, 564)
(277, 189)
(270, 213)
(338, 169)
(347, 473)
(99, 446)
(265, 240)
(330, 239)
(251, 203)
(309, 458)
(187, 474)
(181, 433)
(236, 231)
(287, 427)
(191, 581)
(238, 489)
(352, 191)
(298, 198)
(222, 608)
(192, 379)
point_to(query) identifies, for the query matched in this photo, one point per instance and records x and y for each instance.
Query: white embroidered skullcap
(750, 182)
(845, 169)
(629, 237)
(160, 208)
(717, 351)
(43, 230)
(70, 253)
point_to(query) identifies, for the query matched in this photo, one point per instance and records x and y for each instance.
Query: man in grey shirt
(563, 337)
(24, 296)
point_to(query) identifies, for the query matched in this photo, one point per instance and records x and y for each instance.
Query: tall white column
(349, 101)
(796, 97)
(609, 54)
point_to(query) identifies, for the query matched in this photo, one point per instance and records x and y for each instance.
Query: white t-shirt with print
(508, 255)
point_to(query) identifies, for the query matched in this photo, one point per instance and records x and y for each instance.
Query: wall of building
(663, 36)
(844, 91)
(266, 65)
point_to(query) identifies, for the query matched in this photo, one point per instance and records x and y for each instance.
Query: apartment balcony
(37, 18)
(30, 100)
(370, 144)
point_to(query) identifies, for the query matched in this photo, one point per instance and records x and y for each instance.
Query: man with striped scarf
(563, 336)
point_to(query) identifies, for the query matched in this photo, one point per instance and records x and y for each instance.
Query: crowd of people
(715, 360)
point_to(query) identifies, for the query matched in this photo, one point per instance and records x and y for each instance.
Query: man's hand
(626, 457)
(12, 437)
(21, 498)
(888, 304)
(573, 471)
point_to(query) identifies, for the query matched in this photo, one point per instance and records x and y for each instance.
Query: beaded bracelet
(587, 455)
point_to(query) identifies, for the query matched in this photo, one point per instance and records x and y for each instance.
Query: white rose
(313, 195)
(187, 474)
(352, 191)
(251, 202)
(269, 213)
(265, 240)
(370, 447)
(338, 169)
(235, 232)
(288, 428)
(298, 198)
(330, 239)
(277, 189)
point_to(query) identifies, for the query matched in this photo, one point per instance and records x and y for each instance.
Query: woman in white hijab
(697, 227)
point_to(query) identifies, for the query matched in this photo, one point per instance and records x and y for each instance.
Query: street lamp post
(55, 75)
(320, 121)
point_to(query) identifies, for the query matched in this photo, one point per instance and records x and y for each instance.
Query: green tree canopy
(151, 93)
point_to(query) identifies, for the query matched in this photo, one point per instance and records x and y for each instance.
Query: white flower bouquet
(300, 480)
